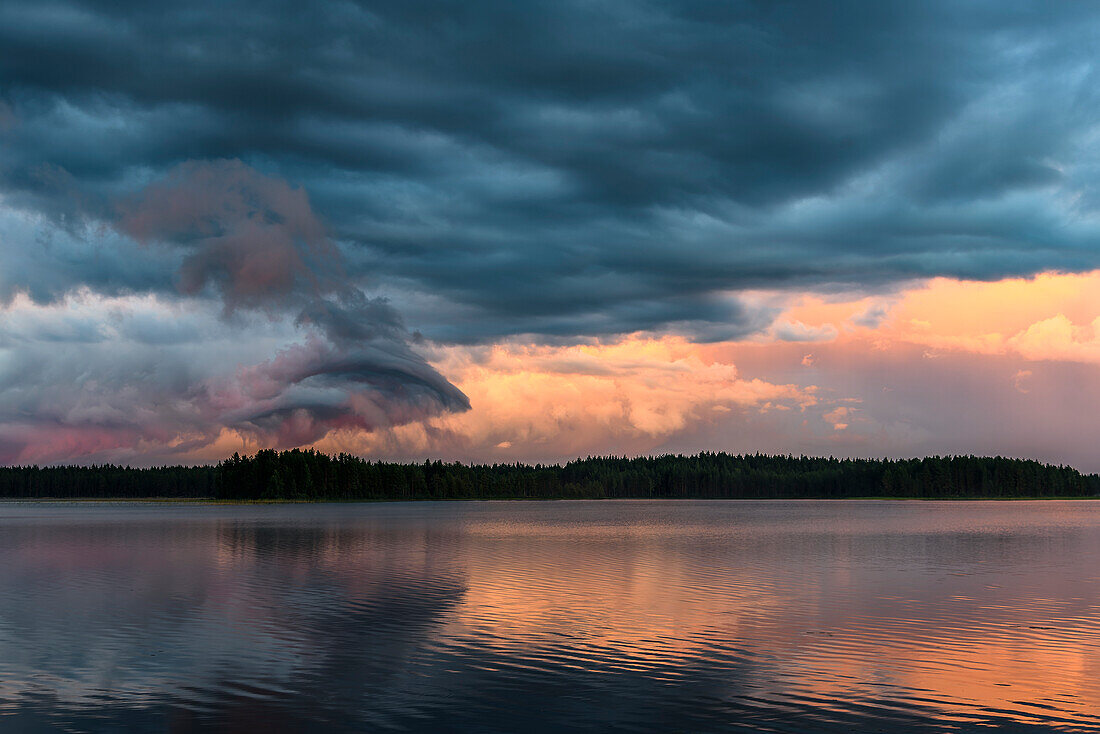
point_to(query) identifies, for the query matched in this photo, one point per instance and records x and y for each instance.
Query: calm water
(551, 617)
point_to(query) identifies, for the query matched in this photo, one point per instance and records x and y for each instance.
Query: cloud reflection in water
(631, 616)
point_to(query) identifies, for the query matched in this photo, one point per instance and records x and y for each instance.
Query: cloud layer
(93, 375)
(569, 169)
(216, 221)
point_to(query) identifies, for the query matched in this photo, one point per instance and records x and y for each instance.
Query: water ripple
(551, 617)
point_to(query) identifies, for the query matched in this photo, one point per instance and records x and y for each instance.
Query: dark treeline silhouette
(107, 480)
(311, 475)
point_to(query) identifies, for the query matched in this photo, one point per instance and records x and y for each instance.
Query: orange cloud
(943, 366)
(574, 400)
(644, 392)
(837, 417)
(1053, 316)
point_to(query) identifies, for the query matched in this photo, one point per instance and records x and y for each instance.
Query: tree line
(312, 475)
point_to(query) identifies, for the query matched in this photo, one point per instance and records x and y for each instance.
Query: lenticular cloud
(256, 241)
(250, 251)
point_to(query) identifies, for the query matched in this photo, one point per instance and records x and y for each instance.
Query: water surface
(551, 617)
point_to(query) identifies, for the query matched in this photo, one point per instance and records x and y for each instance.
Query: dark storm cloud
(570, 168)
(257, 243)
(91, 376)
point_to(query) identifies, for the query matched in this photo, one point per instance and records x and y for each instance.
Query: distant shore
(309, 475)
(248, 502)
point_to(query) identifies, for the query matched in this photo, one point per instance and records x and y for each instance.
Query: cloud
(220, 224)
(47, 263)
(252, 244)
(585, 170)
(554, 403)
(796, 331)
(253, 238)
(1051, 317)
(311, 389)
(140, 378)
(8, 120)
(837, 418)
(1058, 338)
(1020, 380)
(872, 317)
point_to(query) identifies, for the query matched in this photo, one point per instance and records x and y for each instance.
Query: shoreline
(215, 501)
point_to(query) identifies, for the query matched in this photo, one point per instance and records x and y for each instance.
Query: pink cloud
(254, 237)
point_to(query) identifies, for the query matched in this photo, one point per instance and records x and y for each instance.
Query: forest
(308, 475)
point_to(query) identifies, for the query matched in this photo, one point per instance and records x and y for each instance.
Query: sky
(530, 231)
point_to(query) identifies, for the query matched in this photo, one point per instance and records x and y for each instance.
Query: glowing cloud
(558, 402)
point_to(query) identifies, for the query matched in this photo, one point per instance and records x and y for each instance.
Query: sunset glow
(888, 252)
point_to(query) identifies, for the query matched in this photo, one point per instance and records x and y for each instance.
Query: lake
(625, 616)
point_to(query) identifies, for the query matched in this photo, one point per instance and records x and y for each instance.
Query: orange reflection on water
(708, 615)
(640, 600)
